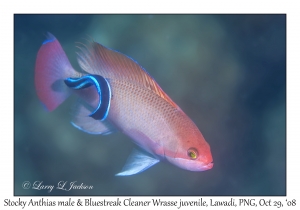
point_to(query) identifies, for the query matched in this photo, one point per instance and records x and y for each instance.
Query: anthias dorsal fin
(97, 59)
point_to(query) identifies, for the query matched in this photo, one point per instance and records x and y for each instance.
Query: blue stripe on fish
(103, 89)
(50, 38)
(79, 83)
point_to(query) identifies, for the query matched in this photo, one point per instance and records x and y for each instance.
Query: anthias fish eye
(192, 153)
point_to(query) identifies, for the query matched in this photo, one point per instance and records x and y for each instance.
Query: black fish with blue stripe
(103, 89)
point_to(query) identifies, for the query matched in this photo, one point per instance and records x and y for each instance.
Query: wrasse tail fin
(137, 162)
(51, 68)
(82, 121)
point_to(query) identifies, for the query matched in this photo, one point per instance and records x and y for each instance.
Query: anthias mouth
(208, 166)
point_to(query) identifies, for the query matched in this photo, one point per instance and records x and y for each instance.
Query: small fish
(116, 93)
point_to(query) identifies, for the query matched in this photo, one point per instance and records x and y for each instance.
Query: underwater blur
(226, 72)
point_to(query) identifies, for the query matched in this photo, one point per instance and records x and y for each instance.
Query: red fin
(97, 59)
(51, 68)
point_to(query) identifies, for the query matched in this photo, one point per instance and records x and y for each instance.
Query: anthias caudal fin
(51, 68)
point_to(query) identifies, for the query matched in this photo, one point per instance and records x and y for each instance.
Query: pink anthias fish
(116, 93)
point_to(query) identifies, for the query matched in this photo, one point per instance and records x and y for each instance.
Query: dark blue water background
(227, 72)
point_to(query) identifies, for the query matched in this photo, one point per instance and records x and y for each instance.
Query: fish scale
(127, 115)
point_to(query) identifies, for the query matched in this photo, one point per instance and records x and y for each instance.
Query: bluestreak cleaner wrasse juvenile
(116, 93)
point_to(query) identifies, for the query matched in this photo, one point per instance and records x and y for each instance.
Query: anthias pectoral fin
(137, 162)
(103, 89)
(82, 120)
